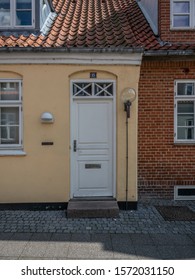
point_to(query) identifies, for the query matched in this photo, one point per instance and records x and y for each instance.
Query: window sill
(12, 153)
(184, 143)
(182, 28)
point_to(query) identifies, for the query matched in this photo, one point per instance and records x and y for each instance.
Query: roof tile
(94, 23)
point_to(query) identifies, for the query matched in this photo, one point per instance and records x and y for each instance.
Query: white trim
(12, 153)
(113, 99)
(191, 14)
(183, 197)
(178, 98)
(93, 82)
(71, 58)
(17, 104)
(13, 18)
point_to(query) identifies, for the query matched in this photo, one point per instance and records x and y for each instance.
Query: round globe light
(128, 94)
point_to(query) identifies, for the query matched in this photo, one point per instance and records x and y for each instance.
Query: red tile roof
(91, 24)
(101, 24)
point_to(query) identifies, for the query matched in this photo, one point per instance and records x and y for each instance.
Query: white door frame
(113, 98)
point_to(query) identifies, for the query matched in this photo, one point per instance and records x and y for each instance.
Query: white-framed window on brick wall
(184, 111)
(10, 114)
(182, 14)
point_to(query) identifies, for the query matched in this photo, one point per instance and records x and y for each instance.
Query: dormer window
(17, 14)
(183, 14)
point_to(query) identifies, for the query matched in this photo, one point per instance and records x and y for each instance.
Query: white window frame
(183, 197)
(93, 84)
(13, 24)
(182, 98)
(11, 104)
(191, 14)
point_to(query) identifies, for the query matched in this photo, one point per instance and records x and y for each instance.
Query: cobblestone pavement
(145, 220)
(139, 234)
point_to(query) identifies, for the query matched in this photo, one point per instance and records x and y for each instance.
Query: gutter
(169, 53)
(29, 55)
(71, 50)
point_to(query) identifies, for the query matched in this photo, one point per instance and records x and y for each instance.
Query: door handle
(75, 145)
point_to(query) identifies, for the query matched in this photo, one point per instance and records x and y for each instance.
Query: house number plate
(92, 166)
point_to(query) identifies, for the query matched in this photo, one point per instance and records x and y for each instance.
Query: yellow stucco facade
(42, 174)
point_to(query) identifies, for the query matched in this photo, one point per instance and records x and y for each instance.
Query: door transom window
(92, 89)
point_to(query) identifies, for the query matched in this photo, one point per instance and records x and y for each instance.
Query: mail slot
(92, 166)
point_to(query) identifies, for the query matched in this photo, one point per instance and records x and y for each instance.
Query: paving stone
(129, 254)
(141, 239)
(123, 246)
(35, 249)
(57, 249)
(21, 236)
(141, 234)
(167, 252)
(89, 250)
(176, 252)
(192, 236)
(144, 220)
(13, 248)
(147, 252)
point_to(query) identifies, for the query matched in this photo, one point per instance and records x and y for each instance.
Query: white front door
(92, 143)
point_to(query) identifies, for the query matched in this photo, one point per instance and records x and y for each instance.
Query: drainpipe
(128, 96)
(127, 163)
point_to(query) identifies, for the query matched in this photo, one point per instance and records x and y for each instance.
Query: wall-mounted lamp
(128, 95)
(47, 117)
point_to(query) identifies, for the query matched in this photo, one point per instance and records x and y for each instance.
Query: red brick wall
(165, 32)
(161, 163)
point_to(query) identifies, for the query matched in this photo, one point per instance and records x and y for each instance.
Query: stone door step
(92, 209)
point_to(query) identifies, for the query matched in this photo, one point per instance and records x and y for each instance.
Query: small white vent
(184, 193)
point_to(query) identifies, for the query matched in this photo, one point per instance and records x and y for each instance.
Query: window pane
(185, 120)
(5, 4)
(23, 4)
(23, 12)
(5, 13)
(9, 125)
(103, 89)
(185, 107)
(23, 18)
(82, 89)
(9, 91)
(185, 89)
(181, 7)
(181, 21)
(185, 133)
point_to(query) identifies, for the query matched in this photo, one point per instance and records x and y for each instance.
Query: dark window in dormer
(24, 13)
(17, 14)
